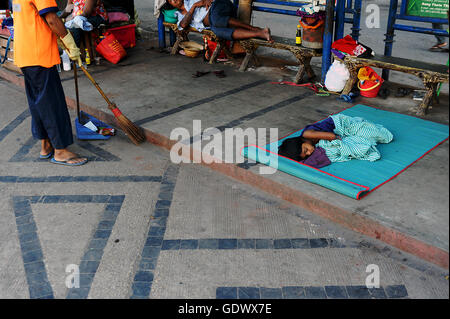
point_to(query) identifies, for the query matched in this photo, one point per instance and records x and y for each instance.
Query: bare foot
(68, 157)
(267, 35)
(46, 147)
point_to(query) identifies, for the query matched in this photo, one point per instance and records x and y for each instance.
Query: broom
(134, 132)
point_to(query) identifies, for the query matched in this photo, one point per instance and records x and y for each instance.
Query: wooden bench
(9, 50)
(302, 54)
(181, 35)
(431, 74)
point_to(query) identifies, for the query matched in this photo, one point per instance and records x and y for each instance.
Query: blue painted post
(327, 39)
(340, 20)
(356, 19)
(390, 33)
(161, 32)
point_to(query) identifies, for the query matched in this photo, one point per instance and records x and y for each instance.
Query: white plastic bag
(337, 76)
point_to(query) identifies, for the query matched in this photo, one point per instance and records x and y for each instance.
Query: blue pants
(219, 15)
(76, 32)
(440, 39)
(50, 118)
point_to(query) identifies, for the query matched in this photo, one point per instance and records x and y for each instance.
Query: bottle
(66, 61)
(88, 57)
(298, 36)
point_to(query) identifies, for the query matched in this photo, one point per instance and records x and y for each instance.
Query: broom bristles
(134, 132)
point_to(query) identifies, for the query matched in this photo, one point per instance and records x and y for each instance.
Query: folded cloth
(79, 22)
(350, 46)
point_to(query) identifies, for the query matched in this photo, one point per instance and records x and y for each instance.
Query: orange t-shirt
(34, 42)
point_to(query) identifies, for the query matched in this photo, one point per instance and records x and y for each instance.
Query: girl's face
(307, 150)
(176, 3)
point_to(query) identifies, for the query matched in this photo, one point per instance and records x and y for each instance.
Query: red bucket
(369, 88)
(369, 82)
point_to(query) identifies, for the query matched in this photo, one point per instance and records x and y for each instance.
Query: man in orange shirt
(36, 28)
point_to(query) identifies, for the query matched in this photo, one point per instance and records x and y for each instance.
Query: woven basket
(191, 49)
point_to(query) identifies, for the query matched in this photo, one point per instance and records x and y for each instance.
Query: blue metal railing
(402, 15)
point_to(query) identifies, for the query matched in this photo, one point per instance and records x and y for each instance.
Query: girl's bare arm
(316, 135)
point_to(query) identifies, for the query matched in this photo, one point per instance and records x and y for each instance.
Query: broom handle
(111, 105)
(75, 74)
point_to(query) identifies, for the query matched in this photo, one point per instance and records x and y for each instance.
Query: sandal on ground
(402, 92)
(199, 74)
(66, 162)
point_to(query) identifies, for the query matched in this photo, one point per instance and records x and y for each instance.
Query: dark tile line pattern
(102, 155)
(235, 244)
(255, 114)
(143, 278)
(79, 179)
(14, 123)
(199, 102)
(33, 257)
(313, 292)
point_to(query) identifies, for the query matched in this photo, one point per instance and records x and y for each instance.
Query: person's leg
(439, 26)
(241, 34)
(441, 41)
(235, 23)
(37, 127)
(51, 110)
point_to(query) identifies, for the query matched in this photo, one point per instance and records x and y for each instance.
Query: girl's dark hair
(167, 6)
(292, 148)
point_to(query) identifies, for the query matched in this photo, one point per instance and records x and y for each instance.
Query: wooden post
(245, 11)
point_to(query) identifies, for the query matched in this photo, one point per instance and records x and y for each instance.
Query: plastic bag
(337, 76)
(111, 49)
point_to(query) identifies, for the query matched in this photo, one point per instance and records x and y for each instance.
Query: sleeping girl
(339, 138)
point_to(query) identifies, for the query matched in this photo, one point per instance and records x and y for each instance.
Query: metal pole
(327, 39)
(390, 33)
(340, 20)
(357, 20)
(161, 32)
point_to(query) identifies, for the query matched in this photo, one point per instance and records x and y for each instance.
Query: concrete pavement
(139, 226)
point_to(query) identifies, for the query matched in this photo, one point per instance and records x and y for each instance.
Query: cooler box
(126, 35)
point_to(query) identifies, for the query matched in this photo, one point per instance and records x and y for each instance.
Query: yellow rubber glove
(72, 50)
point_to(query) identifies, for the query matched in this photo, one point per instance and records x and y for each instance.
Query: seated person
(339, 138)
(93, 10)
(220, 15)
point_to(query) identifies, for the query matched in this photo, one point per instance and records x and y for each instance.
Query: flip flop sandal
(200, 73)
(439, 48)
(68, 164)
(220, 74)
(42, 157)
(402, 92)
(384, 93)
